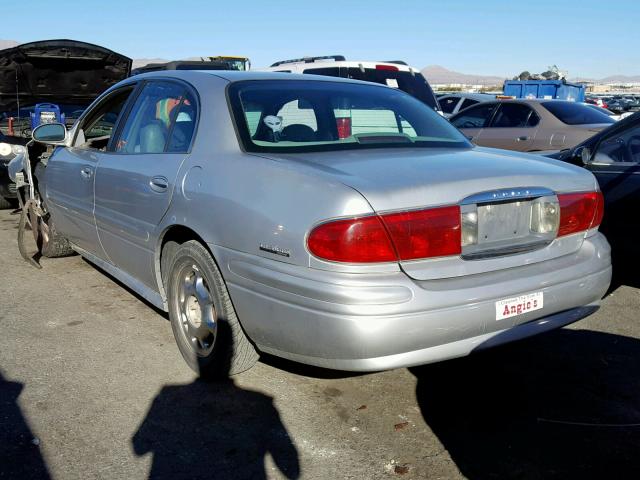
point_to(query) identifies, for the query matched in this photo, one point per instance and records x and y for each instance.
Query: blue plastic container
(547, 89)
(46, 113)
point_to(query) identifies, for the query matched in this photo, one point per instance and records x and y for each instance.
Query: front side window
(97, 127)
(515, 115)
(448, 104)
(295, 115)
(621, 148)
(162, 117)
(573, 113)
(477, 116)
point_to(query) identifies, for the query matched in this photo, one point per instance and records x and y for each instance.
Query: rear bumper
(368, 322)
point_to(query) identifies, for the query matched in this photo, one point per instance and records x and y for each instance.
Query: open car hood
(58, 71)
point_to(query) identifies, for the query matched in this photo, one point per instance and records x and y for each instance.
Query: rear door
(513, 127)
(616, 165)
(134, 185)
(70, 173)
(472, 120)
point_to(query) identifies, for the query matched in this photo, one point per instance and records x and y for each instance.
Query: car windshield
(298, 115)
(576, 113)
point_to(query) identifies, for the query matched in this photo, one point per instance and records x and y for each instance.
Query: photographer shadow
(19, 450)
(565, 404)
(214, 430)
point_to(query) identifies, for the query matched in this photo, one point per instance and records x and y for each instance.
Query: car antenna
(17, 95)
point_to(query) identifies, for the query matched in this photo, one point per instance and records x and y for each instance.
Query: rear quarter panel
(241, 201)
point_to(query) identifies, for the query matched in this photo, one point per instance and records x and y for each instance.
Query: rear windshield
(573, 113)
(413, 83)
(298, 115)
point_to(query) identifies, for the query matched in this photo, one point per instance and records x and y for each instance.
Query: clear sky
(588, 38)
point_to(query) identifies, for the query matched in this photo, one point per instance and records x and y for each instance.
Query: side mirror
(50, 133)
(584, 154)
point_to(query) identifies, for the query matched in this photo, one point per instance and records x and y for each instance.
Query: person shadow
(20, 455)
(565, 404)
(214, 430)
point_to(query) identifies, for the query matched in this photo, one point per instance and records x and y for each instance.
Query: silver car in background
(331, 222)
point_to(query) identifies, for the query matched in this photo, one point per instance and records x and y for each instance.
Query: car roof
(344, 63)
(238, 76)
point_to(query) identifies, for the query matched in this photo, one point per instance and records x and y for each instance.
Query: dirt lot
(92, 386)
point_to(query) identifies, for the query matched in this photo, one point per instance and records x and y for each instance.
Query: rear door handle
(522, 139)
(159, 184)
(86, 172)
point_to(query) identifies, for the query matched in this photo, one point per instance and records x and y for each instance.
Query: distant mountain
(7, 44)
(436, 74)
(611, 79)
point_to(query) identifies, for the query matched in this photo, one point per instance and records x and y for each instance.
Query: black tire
(8, 203)
(56, 245)
(203, 320)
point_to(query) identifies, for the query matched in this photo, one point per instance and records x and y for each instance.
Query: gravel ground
(92, 386)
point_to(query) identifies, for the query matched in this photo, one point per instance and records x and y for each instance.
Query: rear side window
(448, 104)
(573, 113)
(515, 115)
(477, 116)
(162, 117)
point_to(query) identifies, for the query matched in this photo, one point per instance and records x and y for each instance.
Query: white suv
(396, 73)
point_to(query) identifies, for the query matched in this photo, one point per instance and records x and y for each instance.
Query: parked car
(530, 125)
(613, 156)
(395, 73)
(241, 204)
(48, 81)
(452, 103)
(614, 116)
(596, 101)
(10, 148)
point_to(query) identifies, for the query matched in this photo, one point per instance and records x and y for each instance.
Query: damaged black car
(50, 81)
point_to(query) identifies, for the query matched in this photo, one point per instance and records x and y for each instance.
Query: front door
(70, 173)
(513, 128)
(134, 184)
(472, 120)
(616, 165)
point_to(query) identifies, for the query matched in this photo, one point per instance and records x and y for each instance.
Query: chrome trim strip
(154, 298)
(505, 251)
(507, 194)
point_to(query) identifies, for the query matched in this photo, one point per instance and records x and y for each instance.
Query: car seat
(298, 132)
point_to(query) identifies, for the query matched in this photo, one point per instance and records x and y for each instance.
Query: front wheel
(203, 320)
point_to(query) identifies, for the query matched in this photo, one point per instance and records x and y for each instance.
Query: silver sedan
(331, 222)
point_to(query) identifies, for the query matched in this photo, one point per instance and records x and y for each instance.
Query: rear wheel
(203, 320)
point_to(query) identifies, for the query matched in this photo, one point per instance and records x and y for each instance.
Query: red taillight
(580, 212)
(387, 67)
(407, 236)
(425, 233)
(358, 240)
(344, 127)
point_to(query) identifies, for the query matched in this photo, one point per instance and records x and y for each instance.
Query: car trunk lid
(407, 179)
